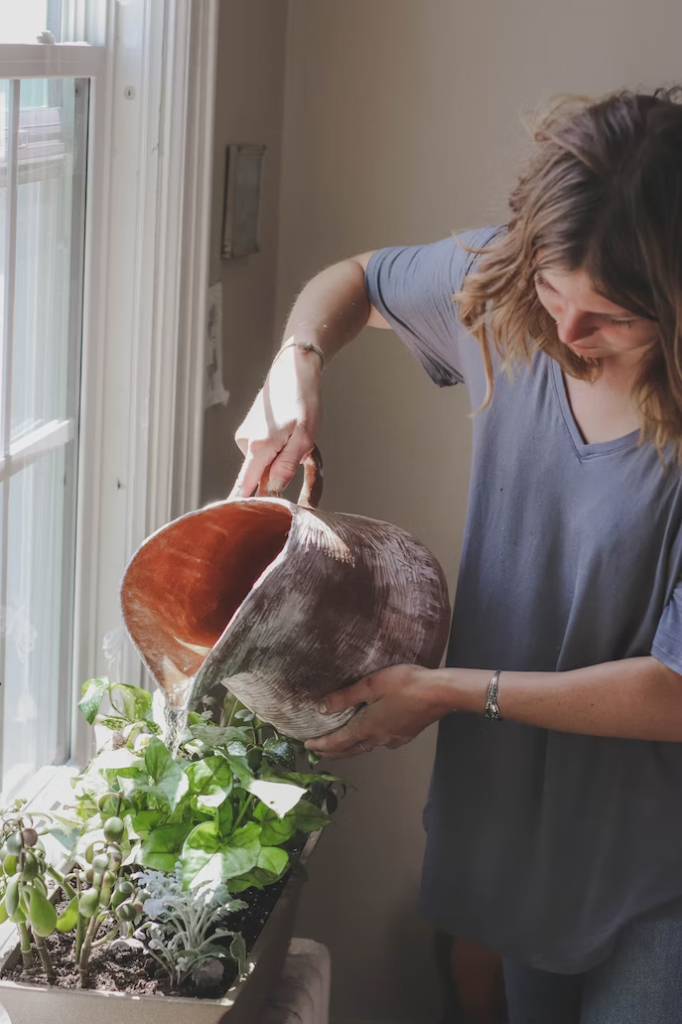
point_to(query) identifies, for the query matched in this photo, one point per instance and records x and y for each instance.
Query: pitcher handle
(311, 491)
(313, 472)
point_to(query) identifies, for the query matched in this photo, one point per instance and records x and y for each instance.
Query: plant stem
(233, 710)
(79, 937)
(247, 803)
(26, 951)
(84, 959)
(107, 938)
(45, 958)
(58, 877)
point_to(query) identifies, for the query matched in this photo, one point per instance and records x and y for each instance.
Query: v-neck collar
(583, 450)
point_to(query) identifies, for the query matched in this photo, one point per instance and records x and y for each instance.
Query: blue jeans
(639, 983)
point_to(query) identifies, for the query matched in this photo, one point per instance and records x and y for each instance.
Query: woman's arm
(282, 424)
(636, 698)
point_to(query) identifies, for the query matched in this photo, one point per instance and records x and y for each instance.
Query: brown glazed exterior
(283, 604)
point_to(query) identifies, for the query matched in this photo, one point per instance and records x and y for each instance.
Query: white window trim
(147, 247)
(51, 60)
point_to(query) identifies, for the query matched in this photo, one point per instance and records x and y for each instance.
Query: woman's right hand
(282, 425)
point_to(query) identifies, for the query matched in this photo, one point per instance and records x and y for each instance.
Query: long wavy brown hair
(602, 192)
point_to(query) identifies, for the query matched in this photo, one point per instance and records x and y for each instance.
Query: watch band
(492, 710)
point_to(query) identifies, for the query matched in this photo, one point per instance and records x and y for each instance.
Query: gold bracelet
(304, 346)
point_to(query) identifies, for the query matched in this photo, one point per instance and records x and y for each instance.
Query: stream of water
(174, 726)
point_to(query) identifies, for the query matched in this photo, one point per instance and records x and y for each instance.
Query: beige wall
(249, 108)
(401, 123)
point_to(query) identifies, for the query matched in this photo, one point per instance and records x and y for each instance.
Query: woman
(554, 818)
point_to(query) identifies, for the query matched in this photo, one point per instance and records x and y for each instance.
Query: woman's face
(589, 324)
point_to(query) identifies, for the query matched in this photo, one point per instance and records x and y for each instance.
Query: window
(106, 113)
(43, 138)
(57, 21)
(46, 86)
(44, 123)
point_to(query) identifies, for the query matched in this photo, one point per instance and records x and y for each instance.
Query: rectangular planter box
(45, 1004)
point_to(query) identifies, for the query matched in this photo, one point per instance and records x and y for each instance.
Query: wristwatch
(492, 711)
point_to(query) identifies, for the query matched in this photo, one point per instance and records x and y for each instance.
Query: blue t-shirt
(541, 845)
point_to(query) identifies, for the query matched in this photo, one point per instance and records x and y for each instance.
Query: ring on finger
(364, 748)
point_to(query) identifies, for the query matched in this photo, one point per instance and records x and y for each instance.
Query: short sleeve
(667, 645)
(412, 287)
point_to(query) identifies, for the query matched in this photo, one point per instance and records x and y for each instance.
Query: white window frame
(145, 285)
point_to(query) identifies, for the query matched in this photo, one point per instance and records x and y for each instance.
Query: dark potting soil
(126, 970)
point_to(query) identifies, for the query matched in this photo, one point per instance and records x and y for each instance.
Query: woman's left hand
(399, 702)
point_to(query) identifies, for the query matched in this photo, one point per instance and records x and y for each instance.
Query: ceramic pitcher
(282, 603)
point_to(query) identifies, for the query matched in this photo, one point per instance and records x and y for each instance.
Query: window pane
(4, 111)
(23, 21)
(52, 127)
(68, 21)
(35, 679)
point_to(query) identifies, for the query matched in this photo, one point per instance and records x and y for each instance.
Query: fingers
(342, 743)
(348, 697)
(253, 467)
(359, 736)
(289, 459)
(354, 751)
(260, 463)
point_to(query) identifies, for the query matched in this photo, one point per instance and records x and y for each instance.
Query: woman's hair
(603, 192)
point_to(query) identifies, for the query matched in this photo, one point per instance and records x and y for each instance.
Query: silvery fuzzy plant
(182, 930)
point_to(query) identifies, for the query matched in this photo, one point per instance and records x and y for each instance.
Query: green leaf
(93, 692)
(238, 953)
(277, 750)
(308, 817)
(244, 882)
(112, 722)
(274, 860)
(199, 848)
(245, 715)
(274, 830)
(240, 768)
(257, 877)
(68, 918)
(135, 701)
(236, 748)
(114, 759)
(65, 830)
(169, 778)
(241, 850)
(221, 735)
(42, 915)
(206, 857)
(310, 778)
(124, 776)
(210, 782)
(162, 848)
(225, 819)
(203, 837)
(151, 725)
(145, 821)
(279, 796)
